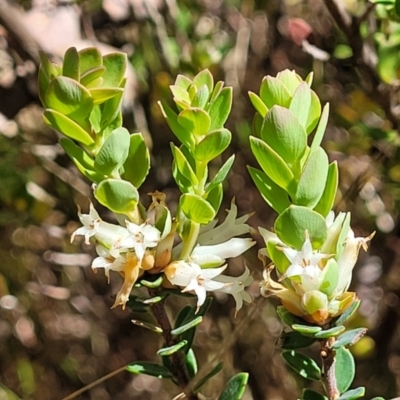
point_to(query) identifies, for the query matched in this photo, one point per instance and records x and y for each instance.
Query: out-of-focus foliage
(57, 333)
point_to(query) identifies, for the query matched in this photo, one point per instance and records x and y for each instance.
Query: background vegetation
(57, 332)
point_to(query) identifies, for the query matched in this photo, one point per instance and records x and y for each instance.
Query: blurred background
(57, 332)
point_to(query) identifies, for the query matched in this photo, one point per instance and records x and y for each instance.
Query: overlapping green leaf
(303, 365)
(196, 208)
(212, 145)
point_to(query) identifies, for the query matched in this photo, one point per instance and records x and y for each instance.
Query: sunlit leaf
(115, 64)
(148, 368)
(353, 394)
(345, 369)
(301, 103)
(89, 58)
(196, 208)
(167, 351)
(183, 165)
(220, 108)
(332, 332)
(303, 365)
(327, 199)
(91, 75)
(204, 77)
(221, 174)
(212, 145)
(258, 104)
(194, 120)
(274, 92)
(100, 95)
(71, 64)
(349, 338)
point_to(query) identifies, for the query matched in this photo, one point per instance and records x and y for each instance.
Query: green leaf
(180, 95)
(111, 110)
(183, 165)
(191, 363)
(314, 114)
(257, 124)
(234, 389)
(172, 119)
(303, 365)
(274, 92)
(196, 208)
(283, 132)
(204, 77)
(100, 95)
(349, 338)
(273, 164)
(71, 64)
(288, 318)
(137, 164)
(293, 341)
(81, 159)
(204, 380)
(327, 199)
(313, 179)
(258, 104)
(311, 395)
(194, 120)
(325, 334)
(89, 58)
(214, 197)
(115, 64)
(113, 152)
(148, 368)
(91, 75)
(168, 351)
(306, 329)
(189, 325)
(7, 394)
(329, 277)
(348, 313)
(201, 97)
(301, 103)
(319, 134)
(152, 281)
(117, 195)
(137, 306)
(345, 369)
(67, 126)
(290, 79)
(183, 81)
(291, 225)
(221, 174)
(353, 394)
(212, 145)
(220, 109)
(69, 98)
(273, 195)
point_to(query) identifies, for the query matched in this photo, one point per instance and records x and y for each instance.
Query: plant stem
(328, 369)
(190, 241)
(177, 359)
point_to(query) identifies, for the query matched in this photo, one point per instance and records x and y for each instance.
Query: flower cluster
(313, 284)
(136, 248)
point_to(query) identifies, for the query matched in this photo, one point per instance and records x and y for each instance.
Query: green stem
(190, 241)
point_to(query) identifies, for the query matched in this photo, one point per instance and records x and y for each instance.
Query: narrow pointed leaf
(213, 372)
(221, 174)
(152, 283)
(301, 103)
(345, 369)
(214, 197)
(220, 108)
(196, 208)
(336, 330)
(201, 97)
(274, 196)
(167, 351)
(147, 325)
(67, 126)
(306, 329)
(91, 75)
(258, 104)
(117, 195)
(234, 389)
(191, 363)
(148, 368)
(314, 113)
(291, 225)
(303, 365)
(100, 95)
(183, 165)
(204, 77)
(183, 328)
(272, 164)
(319, 134)
(348, 313)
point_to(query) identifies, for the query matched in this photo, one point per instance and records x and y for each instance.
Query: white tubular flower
(190, 276)
(230, 228)
(304, 263)
(90, 224)
(236, 287)
(215, 255)
(140, 238)
(109, 260)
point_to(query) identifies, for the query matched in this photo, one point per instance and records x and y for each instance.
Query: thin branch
(328, 370)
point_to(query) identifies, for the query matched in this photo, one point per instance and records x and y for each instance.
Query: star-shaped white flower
(140, 238)
(192, 277)
(109, 260)
(304, 263)
(90, 224)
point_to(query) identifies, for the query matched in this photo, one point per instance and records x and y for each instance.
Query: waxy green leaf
(290, 79)
(348, 313)
(115, 64)
(100, 95)
(306, 329)
(332, 332)
(258, 104)
(345, 369)
(301, 103)
(274, 92)
(89, 58)
(349, 338)
(185, 327)
(194, 120)
(183, 165)
(180, 95)
(137, 163)
(314, 113)
(117, 195)
(148, 368)
(214, 197)
(221, 174)
(292, 224)
(91, 75)
(220, 108)
(293, 341)
(71, 64)
(196, 208)
(234, 389)
(67, 126)
(273, 164)
(212, 145)
(309, 394)
(113, 152)
(319, 134)
(313, 179)
(168, 351)
(325, 203)
(201, 97)
(283, 132)
(204, 77)
(355, 394)
(329, 277)
(303, 365)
